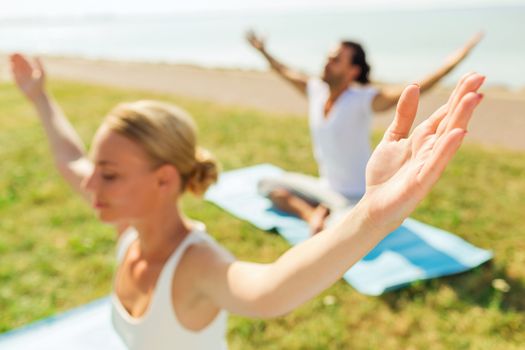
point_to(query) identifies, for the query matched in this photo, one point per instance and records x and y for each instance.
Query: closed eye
(109, 177)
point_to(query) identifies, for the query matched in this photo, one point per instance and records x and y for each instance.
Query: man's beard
(332, 80)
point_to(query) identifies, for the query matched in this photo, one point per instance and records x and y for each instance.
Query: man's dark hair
(359, 59)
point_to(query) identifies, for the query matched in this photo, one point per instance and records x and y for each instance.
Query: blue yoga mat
(413, 252)
(85, 328)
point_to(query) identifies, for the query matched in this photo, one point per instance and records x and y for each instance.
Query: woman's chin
(106, 217)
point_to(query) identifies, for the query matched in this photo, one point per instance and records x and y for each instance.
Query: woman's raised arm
(66, 146)
(400, 173)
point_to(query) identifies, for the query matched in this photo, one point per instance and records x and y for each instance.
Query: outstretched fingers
(435, 119)
(458, 85)
(469, 83)
(449, 142)
(254, 40)
(20, 65)
(405, 114)
(463, 113)
(40, 67)
(434, 166)
(29, 76)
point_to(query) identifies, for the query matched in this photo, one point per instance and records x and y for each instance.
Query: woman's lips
(99, 205)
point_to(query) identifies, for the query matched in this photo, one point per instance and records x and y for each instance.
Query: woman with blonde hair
(174, 284)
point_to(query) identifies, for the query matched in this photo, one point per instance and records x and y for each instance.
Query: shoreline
(502, 90)
(500, 119)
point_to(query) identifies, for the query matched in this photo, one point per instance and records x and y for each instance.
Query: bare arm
(400, 173)
(297, 79)
(304, 271)
(387, 97)
(66, 146)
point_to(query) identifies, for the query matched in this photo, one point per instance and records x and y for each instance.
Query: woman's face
(123, 184)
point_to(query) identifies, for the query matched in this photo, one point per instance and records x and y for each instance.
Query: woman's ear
(168, 178)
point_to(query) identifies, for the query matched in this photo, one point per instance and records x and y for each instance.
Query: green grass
(54, 255)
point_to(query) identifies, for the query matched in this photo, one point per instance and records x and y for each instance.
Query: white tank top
(159, 328)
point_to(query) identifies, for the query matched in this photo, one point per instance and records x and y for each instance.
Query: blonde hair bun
(205, 173)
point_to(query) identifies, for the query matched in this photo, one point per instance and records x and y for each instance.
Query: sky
(26, 8)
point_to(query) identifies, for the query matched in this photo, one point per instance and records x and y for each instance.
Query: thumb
(40, 67)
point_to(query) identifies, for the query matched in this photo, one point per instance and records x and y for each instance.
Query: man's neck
(337, 90)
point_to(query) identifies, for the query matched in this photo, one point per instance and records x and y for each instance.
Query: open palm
(403, 168)
(29, 77)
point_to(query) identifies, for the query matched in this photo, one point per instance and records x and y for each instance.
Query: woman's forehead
(110, 147)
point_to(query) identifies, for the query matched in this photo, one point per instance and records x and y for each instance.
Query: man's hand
(461, 53)
(255, 41)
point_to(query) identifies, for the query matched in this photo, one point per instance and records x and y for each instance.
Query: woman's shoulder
(204, 262)
(204, 248)
(204, 255)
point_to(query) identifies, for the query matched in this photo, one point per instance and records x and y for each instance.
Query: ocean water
(402, 45)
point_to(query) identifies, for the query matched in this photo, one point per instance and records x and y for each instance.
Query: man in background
(341, 105)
